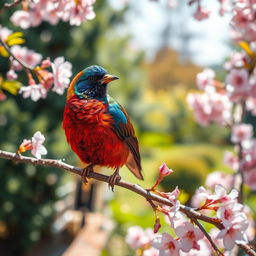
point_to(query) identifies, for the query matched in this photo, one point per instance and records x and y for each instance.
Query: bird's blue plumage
(116, 112)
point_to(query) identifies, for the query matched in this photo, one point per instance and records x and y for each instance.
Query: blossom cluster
(186, 238)
(73, 11)
(40, 78)
(35, 145)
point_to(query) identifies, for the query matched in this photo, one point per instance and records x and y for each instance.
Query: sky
(206, 43)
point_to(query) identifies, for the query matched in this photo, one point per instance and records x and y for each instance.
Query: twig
(23, 64)
(188, 211)
(208, 237)
(10, 5)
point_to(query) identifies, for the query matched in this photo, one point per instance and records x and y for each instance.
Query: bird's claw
(113, 180)
(86, 172)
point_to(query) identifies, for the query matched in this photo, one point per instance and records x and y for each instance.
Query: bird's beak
(108, 78)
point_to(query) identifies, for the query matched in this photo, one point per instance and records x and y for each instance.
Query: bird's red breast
(88, 129)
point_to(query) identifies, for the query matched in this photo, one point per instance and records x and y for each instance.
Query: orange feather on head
(71, 89)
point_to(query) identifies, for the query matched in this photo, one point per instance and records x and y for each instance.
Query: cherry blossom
(202, 13)
(205, 80)
(29, 57)
(219, 177)
(11, 75)
(205, 250)
(151, 252)
(21, 18)
(210, 107)
(164, 170)
(236, 60)
(61, 73)
(37, 145)
(189, 236)
(250, 178)
(228, 213)
(166, 245)
(234, 234)
(231, 160)
(237, 84)
(136, 237)
(75, 12)
(199, 197)
(251, 105)
(241, 132)
(4, 32)
(33, 91)
(221, 195)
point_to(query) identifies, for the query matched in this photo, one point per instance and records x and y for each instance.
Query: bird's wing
(124, 130)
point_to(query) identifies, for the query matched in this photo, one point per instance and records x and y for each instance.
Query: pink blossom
(251, 105)
(164, 170)
(62, 73)
(229, 213)
(231, 160)
(46, 63)
(221, 195)
(45, 78)
(202, 13)
(166, 245)
(241, 132)
(189, 236)
(151, 252)
(4, 32)
(242, 17)
(157, 225)
(30, 57)
(210, 107)
(205, 80)
(218, 177)
(199, 197)
(250, 178)
(11, 75)
(37, 145)
(21, 18)
(225, 6)
(237, 60)
(238, 84)
(76, 12)
(35, 92)
(136, 237)
(234, 234)
(205, 250)
(173, 216)
(249, 155)
(250, 231)
(172, 213)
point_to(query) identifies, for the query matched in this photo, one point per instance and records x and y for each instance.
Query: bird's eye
(92, 78)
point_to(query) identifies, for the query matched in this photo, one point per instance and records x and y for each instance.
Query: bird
(97, 127)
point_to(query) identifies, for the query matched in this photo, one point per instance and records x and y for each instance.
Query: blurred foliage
(167, 70)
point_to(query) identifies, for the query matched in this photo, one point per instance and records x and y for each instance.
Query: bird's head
(90, 83)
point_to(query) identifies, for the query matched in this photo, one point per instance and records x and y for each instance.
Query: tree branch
(10, 5)
(22, 63)
(188, 211)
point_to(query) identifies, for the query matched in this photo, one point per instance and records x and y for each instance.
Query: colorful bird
(97, 127)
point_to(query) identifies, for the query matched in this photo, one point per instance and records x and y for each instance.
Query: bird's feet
(85, 173)
(113, 179)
